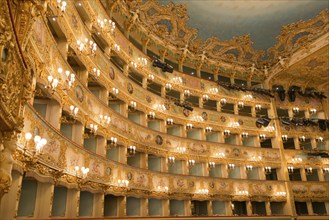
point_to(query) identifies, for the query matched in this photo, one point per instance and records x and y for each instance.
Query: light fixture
(205, 98)
(115, 91)
(297, 160)
(290, 169)
(93, 129)
(211, 164)
(104, 119)
(132, 150)
(213, 90)
(162, 188)
(170, 121)
(223, 101)
(319, 139)
(231, 166)
(326, 169)
(312, 111)
(187, 93)
(309, 170)
(95, 72)
(191, 163)
(302, 138)
(107, 25)
(150, 78)
(81, 172)
(268, 170)
(249, 167)
(87, 46)
(243, 192)
(113, 141)
(151, 115)
(171, 160)
(52, 83)
(280, 193)
(208, 129)
(189, 126)
(181, 150)
(168, 86)
(244, 134)
(262, 137)
(258, 107)
(61, 4)
(142, 61)
(73, 111)
(160, 107)
(284, 138)
(240, 105)
(116, 47)
(38, 142)
(123, 183)
(227, 132)
(220, 155)
(202, 191)
(295, 110)
(177, 80)
(70, 78)
(132, 106)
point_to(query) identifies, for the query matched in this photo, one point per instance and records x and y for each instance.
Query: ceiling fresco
(261, 19)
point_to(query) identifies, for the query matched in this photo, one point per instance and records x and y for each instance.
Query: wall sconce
(213, 90)
(290, 169)
(302, 138)
(52, 84)
(81, 172)
(132, 106)
(240, 105)
(181, 150)
(243, 192)
(211, 164)
(187, 93)
(123, 183)
(168, 87)
(244, 134)
(106, 24)
(105, 119)
(295, 110)
(116, 47)
(132, 150)
(163, 189)
(208, 129)
(70, 77)
(202, 191)
(93, 129)
(142, 61)
(227, 132)
(309, 170)
(170, 121)
(115, 91)
(297, 160)
(73, 111)
(38, 141)
(189, 126)
(280, 193)
(95, 73)
(205, 98)
(268, 170)
(61, 4)
(284, 138)
(113, 141)
(191, 163)
(220, 155)
(258, 107)
(249, 168)
(151, 115)
(150, 78)
(171, 160)
(326, 169)
(223, 101)
(319, 139)
(262, 137)
(231, 166)
(312, 111)
(89, 45)
(177, 80)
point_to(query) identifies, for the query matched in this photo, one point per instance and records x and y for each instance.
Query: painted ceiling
(261, 19)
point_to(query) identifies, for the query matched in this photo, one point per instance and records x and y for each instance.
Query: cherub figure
(135, 16)
(252, 68)
(265, 70)
(203, 56)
